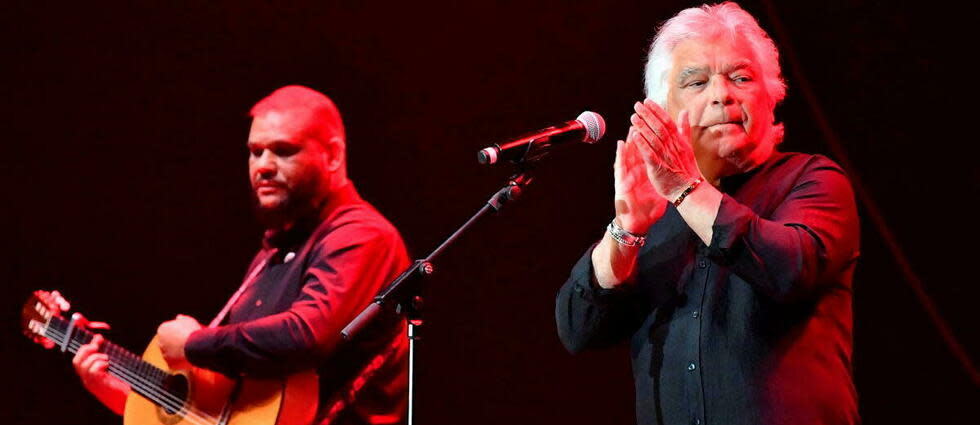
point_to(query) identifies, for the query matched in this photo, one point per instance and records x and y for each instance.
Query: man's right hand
(637, 203)
(638, 206)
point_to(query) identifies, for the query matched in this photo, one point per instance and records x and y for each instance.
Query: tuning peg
(62, 303)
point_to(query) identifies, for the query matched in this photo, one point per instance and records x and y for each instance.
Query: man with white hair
(728, 264)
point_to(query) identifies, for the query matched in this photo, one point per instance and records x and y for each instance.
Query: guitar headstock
(40, 307)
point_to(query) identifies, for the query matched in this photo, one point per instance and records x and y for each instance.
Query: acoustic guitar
(161, 396)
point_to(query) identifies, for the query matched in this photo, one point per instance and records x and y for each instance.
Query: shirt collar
(303, 227)
(732, 183)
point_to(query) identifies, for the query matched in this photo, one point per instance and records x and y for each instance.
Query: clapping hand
(665, 148)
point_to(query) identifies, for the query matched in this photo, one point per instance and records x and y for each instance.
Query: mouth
(732, 124)
(267, 187)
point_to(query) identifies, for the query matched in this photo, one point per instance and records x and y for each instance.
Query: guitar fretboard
(144, 378)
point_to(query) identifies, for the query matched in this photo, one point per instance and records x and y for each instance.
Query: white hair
(710, 21)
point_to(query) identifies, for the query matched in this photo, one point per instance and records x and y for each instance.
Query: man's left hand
(666, 148)
(172, 335)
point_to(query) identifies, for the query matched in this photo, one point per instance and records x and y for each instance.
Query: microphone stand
(404, 293)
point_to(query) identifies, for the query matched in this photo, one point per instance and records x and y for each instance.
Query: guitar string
(155, 394)
(159, 395)
(58, 336)
(176, 403)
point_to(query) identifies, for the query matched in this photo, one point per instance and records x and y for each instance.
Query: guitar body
(253, 401)
(161, 396)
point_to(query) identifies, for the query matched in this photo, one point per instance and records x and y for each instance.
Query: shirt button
(696, 314)
(691, 366)
(702, 264)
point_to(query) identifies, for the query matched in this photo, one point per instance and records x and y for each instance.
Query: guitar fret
(56, 324)
(131, 368)
(174, 393)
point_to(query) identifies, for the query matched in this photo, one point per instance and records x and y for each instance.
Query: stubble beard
(299, 202)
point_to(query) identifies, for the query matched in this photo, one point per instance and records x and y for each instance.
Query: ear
(334, 154)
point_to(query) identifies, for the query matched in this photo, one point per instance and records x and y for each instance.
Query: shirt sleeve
(589, 316)
(809, 240)
(349, 267)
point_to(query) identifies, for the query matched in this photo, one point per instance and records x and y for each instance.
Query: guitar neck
(141, 376)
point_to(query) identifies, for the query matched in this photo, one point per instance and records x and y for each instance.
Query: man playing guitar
(326, 253)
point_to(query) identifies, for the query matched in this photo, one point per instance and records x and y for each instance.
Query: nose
(264, 165)
(721, 92)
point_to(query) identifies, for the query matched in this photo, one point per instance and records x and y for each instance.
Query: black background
(124, 177)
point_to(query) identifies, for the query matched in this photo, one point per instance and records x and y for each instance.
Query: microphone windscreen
(595, 126)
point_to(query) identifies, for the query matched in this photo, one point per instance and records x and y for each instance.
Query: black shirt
(311, 282)
(753, 329)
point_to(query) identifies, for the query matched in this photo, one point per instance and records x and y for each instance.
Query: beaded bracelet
(690, 188)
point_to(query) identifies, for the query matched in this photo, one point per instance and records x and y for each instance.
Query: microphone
(589, 127)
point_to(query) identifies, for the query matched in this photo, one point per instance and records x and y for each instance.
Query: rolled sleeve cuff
(731, 224)
(201, 346)
(587, 288)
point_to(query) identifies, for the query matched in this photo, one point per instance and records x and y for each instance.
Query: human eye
(285, 149)
(740, 79)
(695, 84)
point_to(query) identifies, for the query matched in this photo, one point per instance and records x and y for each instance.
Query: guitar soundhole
(176, 385)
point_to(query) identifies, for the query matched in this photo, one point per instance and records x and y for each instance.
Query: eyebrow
(742, 64)
(691, 70)
(252, 143)
(694, 70)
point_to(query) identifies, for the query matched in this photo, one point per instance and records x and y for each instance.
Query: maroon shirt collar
(302, 228)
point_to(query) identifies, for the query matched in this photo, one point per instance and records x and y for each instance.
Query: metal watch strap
(624, 237)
